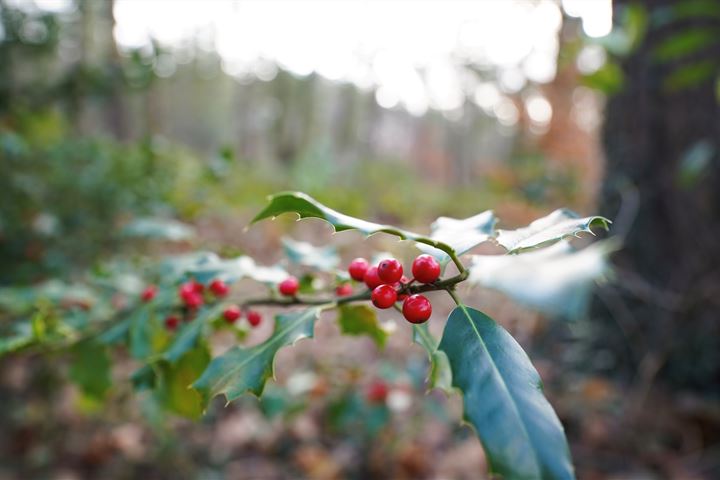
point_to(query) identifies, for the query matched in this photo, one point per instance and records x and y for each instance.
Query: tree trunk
(662, 187)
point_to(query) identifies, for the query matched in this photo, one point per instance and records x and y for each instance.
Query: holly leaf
(174, 380)
(158, 229)
(21, 337)
(307, 207)
(560, 224)
(116, 333)
(234, 269)
(241, 370)
(190, 333)
(361, 320)
(141, 333)
(461, 234)
(90, 368)
(440, 374)
(556, 280)
(144, 378)
(503, 399)
(174, 267)
(303, 253)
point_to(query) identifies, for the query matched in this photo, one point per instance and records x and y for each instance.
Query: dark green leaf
(556, 280)
(361, 320)
(440, 374)
(144, 378)
(141, 333)
(503, 399)
(20, 337)
(174, 381)
(90, 368)
(560, 224)
(117, 333)
(241, 370)
(190, 334)
(461, 235)
(307, 207)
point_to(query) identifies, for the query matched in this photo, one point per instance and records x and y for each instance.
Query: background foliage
(116, 158)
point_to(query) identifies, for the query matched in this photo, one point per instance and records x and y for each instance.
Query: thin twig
(408, 289)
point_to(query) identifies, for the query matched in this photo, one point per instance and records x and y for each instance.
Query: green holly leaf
(307, 207)
(146, 336)
(190, 333)
(174, 380)
(158, 229)
(21, 337)
(560, 224)
(234, 269)
(116, 333)
(241, 370)
(440, 373)
(144, 378)
(140, 331)
(503, 399)
(90, 369)
(556, 281)
(361, 320)
(303, 253)
(174, 267)
(461, 234)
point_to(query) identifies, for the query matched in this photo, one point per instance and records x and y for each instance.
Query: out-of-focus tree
(662, 141)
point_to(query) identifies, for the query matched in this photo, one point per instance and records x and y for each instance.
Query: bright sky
(409, 52)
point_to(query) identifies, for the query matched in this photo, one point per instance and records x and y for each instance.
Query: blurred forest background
(187, 114)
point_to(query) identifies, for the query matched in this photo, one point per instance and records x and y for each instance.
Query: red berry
(193, 300)
(417, 309)
(425, 269)
(232, 313)
(344, 290)
(372, 279)
(377, 392)
(390, 271)
(254, 318)
(185, 289)
(172, 322)
(189, 289)
(219, 288)
(149, 293)
(357, 269)
(289, 286)
(384, 296)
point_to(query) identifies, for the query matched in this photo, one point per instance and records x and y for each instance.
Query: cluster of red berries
(386, 280)
(192, 294)
(233, 313)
